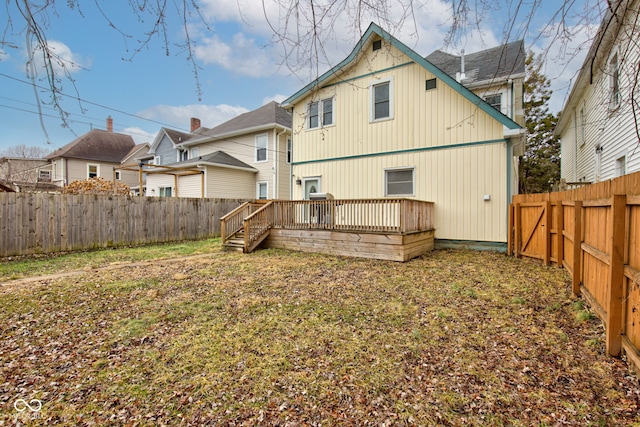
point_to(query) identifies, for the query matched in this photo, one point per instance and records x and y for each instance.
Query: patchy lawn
(280, 338)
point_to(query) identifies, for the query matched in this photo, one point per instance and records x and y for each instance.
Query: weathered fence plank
(33, 223)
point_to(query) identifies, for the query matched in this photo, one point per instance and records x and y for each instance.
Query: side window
(381, 101)
(320, 113)
(614, 82)
(164, 192)
(92, 171)
(261, 148)
(495, 101)
(262, 190)
(399, 182)
(288, 150)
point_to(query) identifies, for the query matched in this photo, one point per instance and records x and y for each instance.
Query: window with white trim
(621, 166)
(288, 150)
(44, 176)
(261, 148)
(399, 182)
(195, 152)
(614, 82)
(93, 171)
(495, 101)
(381, 101)
(118, 175)
(320, 113)
(262, 190)
(165, 191)
(183, 155)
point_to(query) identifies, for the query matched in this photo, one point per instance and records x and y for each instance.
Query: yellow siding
(459, 153)
(455, 179)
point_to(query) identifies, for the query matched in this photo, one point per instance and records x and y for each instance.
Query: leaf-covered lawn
(282, 338)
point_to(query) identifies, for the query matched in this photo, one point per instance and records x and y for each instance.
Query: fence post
(547, 233)
(559, 233)
(516, 229)
(616, 275)
(510, 231)
(577, 247)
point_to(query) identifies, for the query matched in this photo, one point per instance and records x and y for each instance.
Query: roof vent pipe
(462, 74)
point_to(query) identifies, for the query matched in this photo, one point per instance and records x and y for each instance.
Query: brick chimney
(109, 124)
(195, 124)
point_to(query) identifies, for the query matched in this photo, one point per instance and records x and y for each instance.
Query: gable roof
(374, 30)
(496, 63)
(217, 158)
(97, 145)
(269, 116)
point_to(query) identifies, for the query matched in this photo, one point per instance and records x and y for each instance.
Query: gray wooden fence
(35, 223)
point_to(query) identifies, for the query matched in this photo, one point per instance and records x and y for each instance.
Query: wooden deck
(390, 229)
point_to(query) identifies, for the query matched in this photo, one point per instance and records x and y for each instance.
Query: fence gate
(531, 230)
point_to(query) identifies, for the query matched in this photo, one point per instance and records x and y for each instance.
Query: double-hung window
(320, 113)
(614, 82)
(495, 101)
(92, 171)
(262, 190)
(399, 182)
(381, 101)
(261, 148)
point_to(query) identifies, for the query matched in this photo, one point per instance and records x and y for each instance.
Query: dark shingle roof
(177, 137)
(97, 145)
(495, 63)
(268, 114)
(218, 157)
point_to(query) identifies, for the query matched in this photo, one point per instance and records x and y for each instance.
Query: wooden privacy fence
(33, 223)
(593, 232)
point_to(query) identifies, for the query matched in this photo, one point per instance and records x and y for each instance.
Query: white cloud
(63, 59)
(179, 117)
(277, 97)
(241, 55)
(140, 136)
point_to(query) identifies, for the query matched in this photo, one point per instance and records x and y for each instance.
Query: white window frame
(498, 94)
(621, 164)
(194, 152)
(266, 186)
(118, 175)
(89, 166)
(163, 189)
(183, 155)
(265, 137)
(615, 97)
(321, 122)
(44, 176)
(372, 106)
(289, 151)
(155, 161)
(400, 169)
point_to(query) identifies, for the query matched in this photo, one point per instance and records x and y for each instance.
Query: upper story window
(288, 150)
(614, 82)
(195, 152)
(261, 148)
(320, 113)
(495, 101)
(381, 101)
(92, 171)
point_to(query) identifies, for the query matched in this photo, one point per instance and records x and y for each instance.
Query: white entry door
(311, 185)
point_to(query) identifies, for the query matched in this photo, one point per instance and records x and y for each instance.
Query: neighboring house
(25, 174)
(598, 128)
(97, 153)
(388, 123)
(245, 157)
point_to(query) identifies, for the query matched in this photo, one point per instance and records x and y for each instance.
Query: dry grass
(280, 338)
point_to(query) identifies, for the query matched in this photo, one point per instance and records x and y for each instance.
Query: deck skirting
(392, 247)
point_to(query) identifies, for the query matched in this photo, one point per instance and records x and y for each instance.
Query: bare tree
(301, 29)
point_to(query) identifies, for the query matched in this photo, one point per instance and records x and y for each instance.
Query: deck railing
(233, 222)
(257, 225)
(359, 215)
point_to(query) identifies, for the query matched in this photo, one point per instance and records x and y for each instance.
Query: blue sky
(240, 65)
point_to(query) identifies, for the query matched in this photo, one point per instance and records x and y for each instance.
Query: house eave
(254, 129)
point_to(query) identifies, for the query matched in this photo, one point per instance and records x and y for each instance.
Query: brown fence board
(595, 234)
(43, 223)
